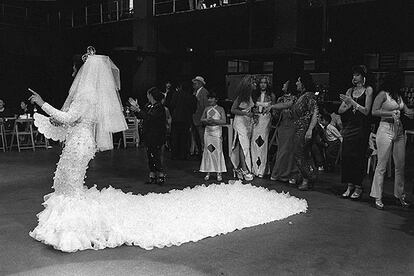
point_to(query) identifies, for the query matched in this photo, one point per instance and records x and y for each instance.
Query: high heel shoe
(207, 177)
(151, 180)
(247, 175)
(348, 191)
(305, 185)
(356, 195)
(378, 204)
(238, 173)
(219, 177)
(161, 180)
(402, 202)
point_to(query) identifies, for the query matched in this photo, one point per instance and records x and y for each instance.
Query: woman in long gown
(284, 168)
(77, 218)
(261, 127)
(355, 109)
(243, 126)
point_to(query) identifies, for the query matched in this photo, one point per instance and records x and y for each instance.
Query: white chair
(131, 135)
(373, 158)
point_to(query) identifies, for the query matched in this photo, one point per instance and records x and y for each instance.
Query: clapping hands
(346, 99)
(134, 104)
(409, 113)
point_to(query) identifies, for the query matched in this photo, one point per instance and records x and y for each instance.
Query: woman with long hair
(263, 98)
(305, 114)
(243, 124)
(390, 138)
(285, 168)
(355, 110)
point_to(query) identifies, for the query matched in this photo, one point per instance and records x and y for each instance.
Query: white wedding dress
(77, 218)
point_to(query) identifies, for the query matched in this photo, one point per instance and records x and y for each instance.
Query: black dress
(355, 144)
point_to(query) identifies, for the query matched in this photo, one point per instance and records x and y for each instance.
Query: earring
(363, 83)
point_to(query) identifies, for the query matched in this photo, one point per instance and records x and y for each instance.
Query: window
(237, 66)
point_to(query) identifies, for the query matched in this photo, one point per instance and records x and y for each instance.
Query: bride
(77, 218)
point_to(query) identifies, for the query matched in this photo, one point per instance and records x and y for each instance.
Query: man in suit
(202, 102)
(182, 108)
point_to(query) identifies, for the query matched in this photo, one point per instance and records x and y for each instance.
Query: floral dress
(303, 111)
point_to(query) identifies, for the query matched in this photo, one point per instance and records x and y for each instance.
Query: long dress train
(77, 218)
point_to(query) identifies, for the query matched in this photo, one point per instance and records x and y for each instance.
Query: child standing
(333, 141)
(213, 159)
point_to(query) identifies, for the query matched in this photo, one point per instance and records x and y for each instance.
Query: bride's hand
(35, 98)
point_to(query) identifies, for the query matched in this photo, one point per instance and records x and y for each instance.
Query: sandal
(161, 180)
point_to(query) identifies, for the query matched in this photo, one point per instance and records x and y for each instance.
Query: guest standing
(305, 113)
(285, 168)
(242, 125)
(261, 127)
(201, 94)
(183, 106)
(355, 109)
(388, 105)
(333, 141)
(154, 129)
(213, 159)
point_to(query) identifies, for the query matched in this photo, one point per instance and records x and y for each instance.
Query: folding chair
(28, 132)
(131, 135)
(3, 136)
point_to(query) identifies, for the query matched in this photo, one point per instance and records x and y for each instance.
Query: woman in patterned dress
(261, 127)
(305, 114)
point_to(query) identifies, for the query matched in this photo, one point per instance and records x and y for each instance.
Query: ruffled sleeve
(76, 110)
(56, 133)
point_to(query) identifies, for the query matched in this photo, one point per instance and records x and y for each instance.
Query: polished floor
(335, 237)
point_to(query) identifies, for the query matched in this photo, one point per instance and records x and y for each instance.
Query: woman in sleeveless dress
(243, 125)
(261, 127)
(389, 106)
(355, 110)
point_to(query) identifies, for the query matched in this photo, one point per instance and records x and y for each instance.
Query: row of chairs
(26, 138)
(30, 138)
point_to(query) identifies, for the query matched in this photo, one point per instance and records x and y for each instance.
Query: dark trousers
(303, 156)
(180, 140)
(154, 158)
(317, 154)
(198, 132)
(331, 153)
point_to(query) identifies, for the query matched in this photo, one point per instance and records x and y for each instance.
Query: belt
(388, 120)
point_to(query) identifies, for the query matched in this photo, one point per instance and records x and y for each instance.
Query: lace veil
(98, 82)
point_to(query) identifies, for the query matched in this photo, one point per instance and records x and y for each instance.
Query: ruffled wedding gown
(78, 218)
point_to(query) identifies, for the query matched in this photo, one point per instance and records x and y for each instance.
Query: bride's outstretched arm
(76, 110)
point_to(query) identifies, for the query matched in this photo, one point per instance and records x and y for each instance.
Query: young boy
(213, 159)
(333, 141)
